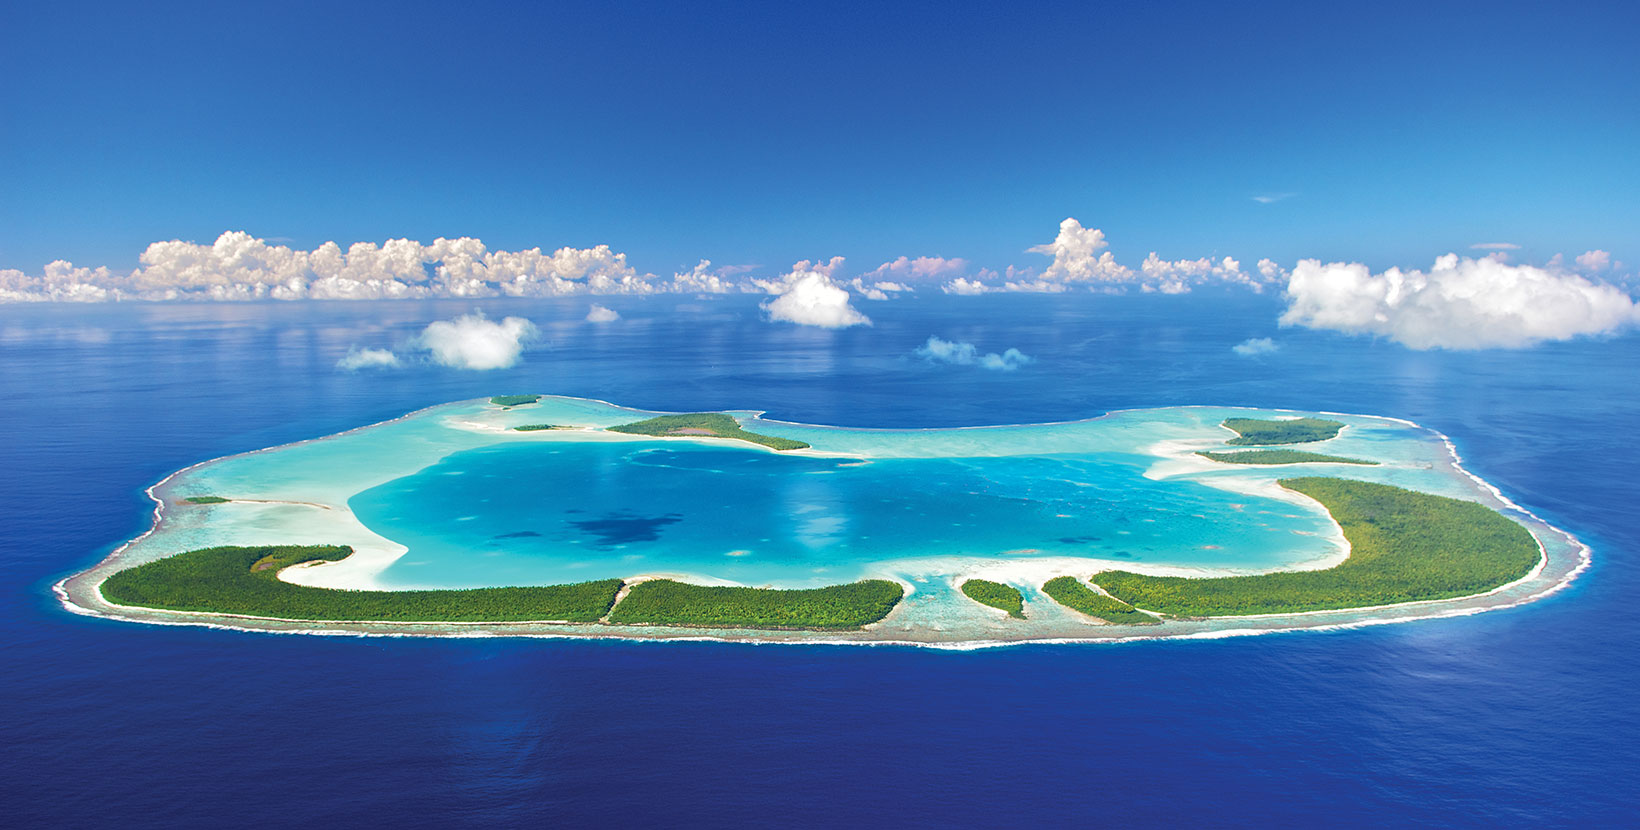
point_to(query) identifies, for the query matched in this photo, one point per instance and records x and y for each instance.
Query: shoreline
(80, 593)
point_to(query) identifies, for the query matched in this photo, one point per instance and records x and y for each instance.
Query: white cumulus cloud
(1595, 260)
(704, 279)
(963, 285)
(1080, 260)
(357, 358)
(473, 342)
(1460, 303)
(1255, 346)
(600, 314)
(967, 354)
(906, 269)
(1178, 276)
(1079, 257)
(809, 296)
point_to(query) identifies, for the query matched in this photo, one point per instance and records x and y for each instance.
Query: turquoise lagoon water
(478, 504)
(574, 511)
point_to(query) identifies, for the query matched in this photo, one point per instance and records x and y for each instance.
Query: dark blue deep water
(1525, 717)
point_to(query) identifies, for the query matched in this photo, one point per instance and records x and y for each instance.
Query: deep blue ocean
(1523, 717)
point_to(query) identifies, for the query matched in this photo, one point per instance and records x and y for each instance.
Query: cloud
(809, 296)
(967, 354)
(238, 266)
(1595, 260)
(599, 314)
(1080, 260)
(1178, 276)
(703, 279)
(961, 285)
(1267, 198)
(357, 358)
(1494, 246)
(1255, 346)
(921, 268)
(473, 342)
(1461, 303)
(1077, 258)
(878, 290)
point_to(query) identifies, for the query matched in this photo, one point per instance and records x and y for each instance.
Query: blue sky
(766, 133)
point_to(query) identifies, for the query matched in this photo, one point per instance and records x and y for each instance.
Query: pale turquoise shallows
(479, 504)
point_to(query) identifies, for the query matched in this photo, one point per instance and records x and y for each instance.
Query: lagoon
(456, 497)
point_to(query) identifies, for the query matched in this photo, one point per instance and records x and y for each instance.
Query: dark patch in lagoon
(623, 526)
(1079, 540)
(519, 535)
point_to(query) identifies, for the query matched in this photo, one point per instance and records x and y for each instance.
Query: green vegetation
(666, 602)
(1289, 431)
(1280, 457)
(537, 427)
(1072, 594)
(996, 595)
(514, 400)
(206, 500)
(244, 580)
(714, 424)
(1404, 546)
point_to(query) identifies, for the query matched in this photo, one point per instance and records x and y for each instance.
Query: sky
(1447, 175)
(762, 134)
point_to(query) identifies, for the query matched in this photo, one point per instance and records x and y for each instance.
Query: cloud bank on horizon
(1460, 303)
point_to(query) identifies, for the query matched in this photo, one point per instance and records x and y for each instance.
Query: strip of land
(244, 581)
(666, 602)
(1405, 546)
(514, 400)
(1067, 591)
(715, 424)
(1283, 431)
(1280, 457)
(997, 595)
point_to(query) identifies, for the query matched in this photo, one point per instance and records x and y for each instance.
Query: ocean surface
(1526, 716)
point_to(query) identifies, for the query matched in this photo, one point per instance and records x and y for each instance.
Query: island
(667, 602)
(1404, 547)
(1071, 593)
(1279, 457)
(710, 424)
(541, 515)
(510, 401)
(1281, 431)
(243, 581)
(1002, 597)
